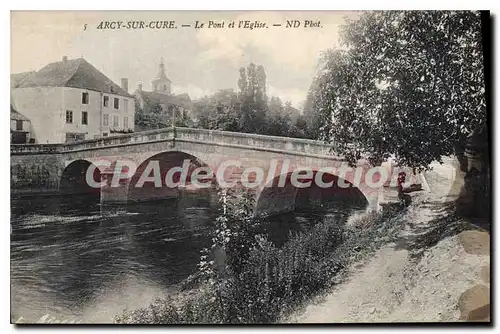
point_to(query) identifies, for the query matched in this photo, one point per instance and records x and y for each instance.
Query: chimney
(139, 88)
(65, 58)
(125, 84)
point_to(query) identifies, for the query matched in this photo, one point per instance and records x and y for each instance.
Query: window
(115, 121)
(105, 101)
(19, 125)
(85, 118)
(164, 87)
(125, 122)
(105, 134)
(69, 117)
(125, 105)
(117, 103)
(105, 120)
(85, 98)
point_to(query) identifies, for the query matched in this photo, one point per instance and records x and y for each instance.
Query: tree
(150, 122)
(300, 127)
(409, 84)
(153, 108)
(218, 111)
(253, 99)
(149, 118)
(314, 120)
(277, 121)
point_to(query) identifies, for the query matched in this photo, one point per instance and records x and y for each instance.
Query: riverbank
(271, 281)
(432, 271)
(381, 266)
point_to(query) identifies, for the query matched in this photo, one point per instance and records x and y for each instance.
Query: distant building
(162, 84)
(71, 100)
(161, 100)
(20, 128)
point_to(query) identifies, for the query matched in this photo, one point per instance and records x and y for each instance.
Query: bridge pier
(114, 195)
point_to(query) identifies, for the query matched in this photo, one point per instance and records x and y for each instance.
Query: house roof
(15, 115)
(75, 73)
(155, 97)
(16, 78)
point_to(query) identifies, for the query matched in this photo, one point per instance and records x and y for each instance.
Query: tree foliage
(283, 119)
(154, 116)
(153, 108)
(150, 121)
(253, 98)
(250, 110)
(313, 121)
(407, 83)
(218, 111)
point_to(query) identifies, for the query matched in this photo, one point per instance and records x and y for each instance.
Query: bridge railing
(306, 146)
(125, 139)
(34, 148)
(285, 144)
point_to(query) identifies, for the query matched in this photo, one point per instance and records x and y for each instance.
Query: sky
(197, 61)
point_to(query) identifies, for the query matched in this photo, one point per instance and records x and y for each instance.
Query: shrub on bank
(267, 282)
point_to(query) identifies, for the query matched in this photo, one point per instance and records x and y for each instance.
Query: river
(72, 259)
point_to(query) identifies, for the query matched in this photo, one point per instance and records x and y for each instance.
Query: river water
(73, 259)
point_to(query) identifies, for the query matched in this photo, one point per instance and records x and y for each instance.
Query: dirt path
(406, 281)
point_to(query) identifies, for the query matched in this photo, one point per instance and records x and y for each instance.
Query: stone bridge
(62, 168)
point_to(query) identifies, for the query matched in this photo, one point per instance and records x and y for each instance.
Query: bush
(266, 282)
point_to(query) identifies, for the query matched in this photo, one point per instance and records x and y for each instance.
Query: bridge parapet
(118, 140)
(26, 149)
(235, 139)
(285, 144)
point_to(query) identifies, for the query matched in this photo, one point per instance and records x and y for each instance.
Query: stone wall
(35, 172)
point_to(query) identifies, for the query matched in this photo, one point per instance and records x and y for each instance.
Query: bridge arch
(277, 197)
(73, 178)
(149, 180)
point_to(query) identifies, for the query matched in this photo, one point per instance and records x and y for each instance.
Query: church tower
(162, 84)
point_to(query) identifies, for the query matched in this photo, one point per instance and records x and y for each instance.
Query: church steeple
(161, 73)
(161, 84)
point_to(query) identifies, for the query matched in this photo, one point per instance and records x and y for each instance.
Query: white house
(72, 100)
